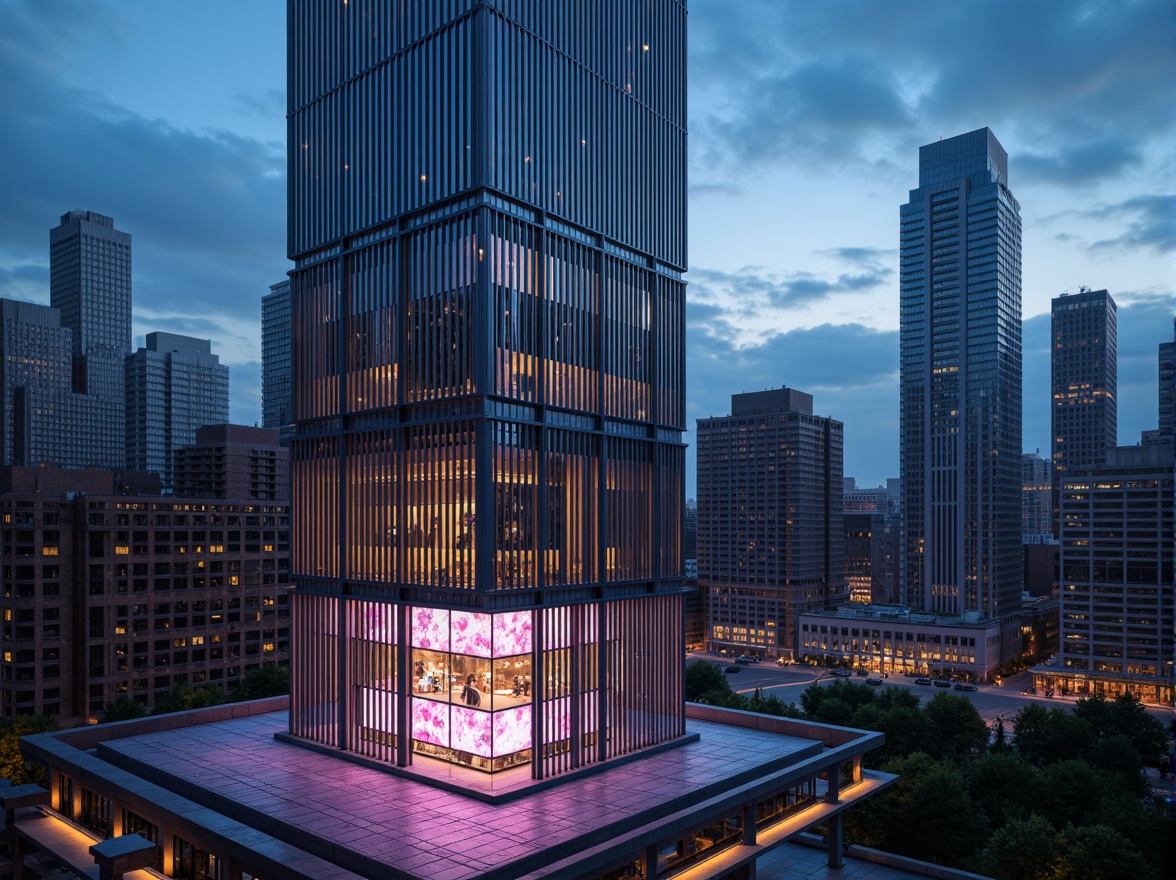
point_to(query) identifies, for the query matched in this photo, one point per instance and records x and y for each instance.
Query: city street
(789, 682)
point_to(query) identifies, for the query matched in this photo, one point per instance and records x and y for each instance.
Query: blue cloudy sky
(806, 119)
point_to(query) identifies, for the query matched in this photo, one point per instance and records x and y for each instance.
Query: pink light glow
(512, 633)
(557, 722)
(430, 721)
(512, 730)
(560, 636)
(430, 628)
(377, 622)
(377, 710)
(471, 731)
(471, 634)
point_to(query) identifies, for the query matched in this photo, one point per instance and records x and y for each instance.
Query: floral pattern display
(430, 721)
(512, 633)
(471, 731)
(512, 731)
(430, 628)
(470, 633)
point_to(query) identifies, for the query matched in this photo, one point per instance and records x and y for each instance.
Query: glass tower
(961, 381)
(487, 218)
(90, 283)
(277, 391)
(175, 385)
(1083, 373)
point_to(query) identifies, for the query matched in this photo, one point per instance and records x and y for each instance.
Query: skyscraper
(36, 358)
(1118, 537)
(90, 283)
(961, 380)
(174, 386)
(277, 387)
(771, 542)
(1167, 408)
(1084, 370)
(488, 320)
(1036, 498)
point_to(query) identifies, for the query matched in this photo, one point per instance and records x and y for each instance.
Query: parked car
(743, 659)
(873, 682)
(965, 686)
(843, 673)
(780, 661)
(926, 681)
(941, 683)
(734, 669)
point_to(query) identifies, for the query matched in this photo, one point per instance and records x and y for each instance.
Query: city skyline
(802, 133)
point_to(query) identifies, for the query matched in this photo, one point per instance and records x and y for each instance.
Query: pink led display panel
(430, 721)
(430, 628)
(471, 731)
(512, 633)
(470, 633)
(512, 730)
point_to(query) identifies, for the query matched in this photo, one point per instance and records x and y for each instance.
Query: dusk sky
(806, 119)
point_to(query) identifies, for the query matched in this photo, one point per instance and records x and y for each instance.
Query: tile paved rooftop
(415, 827)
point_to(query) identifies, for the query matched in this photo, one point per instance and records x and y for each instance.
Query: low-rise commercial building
(895, 639)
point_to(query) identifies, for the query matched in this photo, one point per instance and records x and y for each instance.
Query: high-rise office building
(771, 541)
(1036, 498)
(1118, 543)
(36, 362)
(489, 376)
(1167, 408)
(174, 385)
(961, 381)
(277, 337)
(1084, 384)
(90, 284)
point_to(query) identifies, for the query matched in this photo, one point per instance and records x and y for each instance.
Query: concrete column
(749, 824)
(833, 838)
(833, 792)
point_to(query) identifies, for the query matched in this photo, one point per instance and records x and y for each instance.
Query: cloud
(1072, 89)
(1150, 224)
(206, 209)
(745, 292)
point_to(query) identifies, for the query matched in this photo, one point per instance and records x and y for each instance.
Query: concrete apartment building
(110, 590)
(233, 461)
(771, 539)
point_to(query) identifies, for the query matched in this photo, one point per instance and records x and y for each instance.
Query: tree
(12, 762)
(957, 730)
(1023, 850)
(124, 709)
(703, 677)
(926, 814)
(265, 681)
(1098, 851)
(183, 696)
(1044, 736)
(1005, 786)
(1124, 716)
